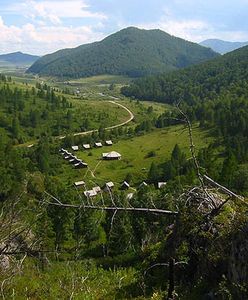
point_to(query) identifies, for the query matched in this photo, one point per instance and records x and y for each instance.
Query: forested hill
(196, 83)
(222, 46)
(18, 58)
(216, 95)
(131, 51)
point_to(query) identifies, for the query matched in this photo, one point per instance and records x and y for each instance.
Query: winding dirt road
(131, 117)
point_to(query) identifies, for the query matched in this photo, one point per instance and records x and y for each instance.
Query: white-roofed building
(75, 148)
(98, 145)
(109, 143)
(80, 165)
(161, 184)
(90, 193)
(113, 155)
(125, 185)
(86, 146)
(79, 183)
(96, 189)
(143, 185)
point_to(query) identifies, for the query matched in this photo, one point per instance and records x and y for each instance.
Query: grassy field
(95, 112)
(134, 153)
(102, 79)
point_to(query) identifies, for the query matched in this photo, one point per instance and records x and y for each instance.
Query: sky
(44, 26)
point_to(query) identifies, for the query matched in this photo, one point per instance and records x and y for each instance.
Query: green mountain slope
(131, 52)
(222, 46)
(18, 58)
(216, 95)
(196, 83)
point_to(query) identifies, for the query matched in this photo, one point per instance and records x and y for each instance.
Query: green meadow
(135, 156)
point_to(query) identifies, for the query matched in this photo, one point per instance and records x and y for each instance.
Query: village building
(73, 159)
(78, 184)
(113, 155)
(109, 186)
(143, 185)
(68, 156)
(86, 146)
(96, 189)
(109, 143)
(75, 148)
(98, 145)
(161, 185)
(80, 165)
(90, 194)
(65, 152)
(125, 185)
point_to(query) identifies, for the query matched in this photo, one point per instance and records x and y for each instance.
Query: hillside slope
(195, 83)
(222, 46)
(131, 51)
(18, 58)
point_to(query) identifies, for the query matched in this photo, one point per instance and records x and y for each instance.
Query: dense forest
(131, 52)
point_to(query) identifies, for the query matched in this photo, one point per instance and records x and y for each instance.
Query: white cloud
(194, 30)
(53, 11)
(44, 39)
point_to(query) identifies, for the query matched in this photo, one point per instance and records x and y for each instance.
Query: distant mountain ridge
(18, 58)
(133, 52)
(221, 46)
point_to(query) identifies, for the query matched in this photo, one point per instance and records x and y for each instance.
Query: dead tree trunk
(171, 287)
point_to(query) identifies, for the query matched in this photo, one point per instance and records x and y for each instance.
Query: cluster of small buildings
(72, 159)
(96, 145)
(95, 190)
(108, 187)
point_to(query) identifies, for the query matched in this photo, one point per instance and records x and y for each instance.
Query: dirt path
(131, 117)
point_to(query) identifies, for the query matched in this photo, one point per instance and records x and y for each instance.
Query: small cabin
(125, 185)
(68, 156)
(109, 186)
(73, 159)
(78, 184)
(86, 146)
(113, 155)
(98, 145)
(109, 143)
(65, 153)
(96, 189)
(80, 165)
(143, 185)
(75, 148)
(90, 194)
(161, 185)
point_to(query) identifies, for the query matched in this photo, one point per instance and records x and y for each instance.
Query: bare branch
(223, 188)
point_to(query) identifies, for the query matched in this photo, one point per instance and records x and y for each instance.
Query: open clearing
(134, 153)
